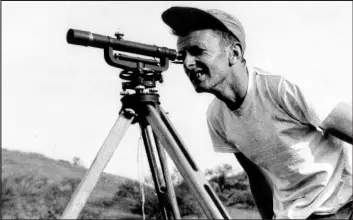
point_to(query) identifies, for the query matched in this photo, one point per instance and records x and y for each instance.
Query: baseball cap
(182, 20)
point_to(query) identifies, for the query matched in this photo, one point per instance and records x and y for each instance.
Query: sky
(61, 100)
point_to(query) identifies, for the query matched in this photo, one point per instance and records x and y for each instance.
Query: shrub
(187, 204)
(7, 199)
(241, 197)
(31, 197)
(235, 191)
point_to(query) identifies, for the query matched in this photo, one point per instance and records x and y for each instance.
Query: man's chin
(200, 89)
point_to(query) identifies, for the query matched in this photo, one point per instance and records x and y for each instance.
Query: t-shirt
(277, 128)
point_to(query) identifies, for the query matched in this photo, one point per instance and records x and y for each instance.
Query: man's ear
(235, 53)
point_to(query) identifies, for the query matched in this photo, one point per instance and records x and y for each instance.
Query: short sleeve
(303, 103)
(219, 141)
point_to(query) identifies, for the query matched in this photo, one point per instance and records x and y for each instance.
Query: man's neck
(233, 90)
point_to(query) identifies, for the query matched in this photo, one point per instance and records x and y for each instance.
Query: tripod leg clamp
(129, 113)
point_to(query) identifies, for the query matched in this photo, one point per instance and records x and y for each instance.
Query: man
(295, 155)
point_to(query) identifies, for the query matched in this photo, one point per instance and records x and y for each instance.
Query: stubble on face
(208, 55)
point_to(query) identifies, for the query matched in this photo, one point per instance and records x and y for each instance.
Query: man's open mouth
(197, 76)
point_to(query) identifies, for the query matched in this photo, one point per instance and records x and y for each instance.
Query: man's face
(206, 61)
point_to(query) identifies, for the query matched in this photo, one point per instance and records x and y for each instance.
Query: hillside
(30, 169)
(35, 186)
(16, 163)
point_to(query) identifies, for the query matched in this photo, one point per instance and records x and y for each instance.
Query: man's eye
(193, 51)
(196, 51)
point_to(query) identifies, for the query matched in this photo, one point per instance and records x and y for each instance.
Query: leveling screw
(119, 35)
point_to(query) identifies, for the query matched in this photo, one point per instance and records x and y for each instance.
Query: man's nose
(189, 61)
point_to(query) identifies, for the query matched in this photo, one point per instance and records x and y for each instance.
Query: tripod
(140, 104)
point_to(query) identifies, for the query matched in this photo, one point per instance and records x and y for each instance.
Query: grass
(34, 168)
(236, 213)
(16, 163)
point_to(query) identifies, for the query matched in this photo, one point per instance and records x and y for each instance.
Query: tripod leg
(157, 179)
(91, 177)
(168, 181)
(208, 200)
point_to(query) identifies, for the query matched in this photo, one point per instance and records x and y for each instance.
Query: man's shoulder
(214, 108)
(266, 82)
(266, 76)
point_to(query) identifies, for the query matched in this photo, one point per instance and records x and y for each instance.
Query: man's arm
(260, 187)
(339, 122)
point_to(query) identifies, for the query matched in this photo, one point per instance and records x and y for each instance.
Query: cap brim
(185, 19)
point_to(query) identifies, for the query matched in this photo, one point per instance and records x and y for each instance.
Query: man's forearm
(262, 195)
(339, 122)
(260, 186)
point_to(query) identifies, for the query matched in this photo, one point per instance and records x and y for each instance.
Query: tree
(77, 162)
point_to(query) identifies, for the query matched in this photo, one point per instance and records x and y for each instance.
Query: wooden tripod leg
(156, 175)
(167, 178)
(92, 176)
(198, 184)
